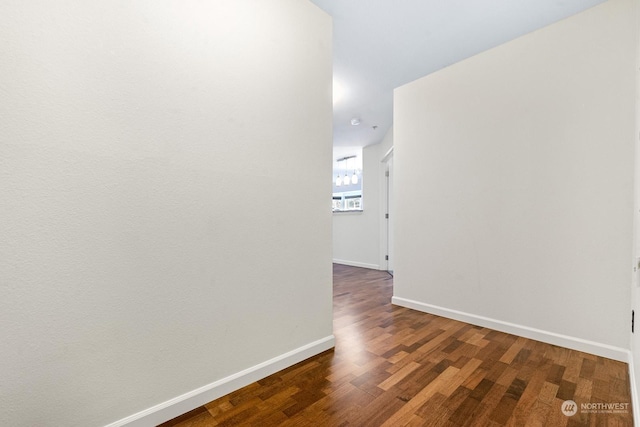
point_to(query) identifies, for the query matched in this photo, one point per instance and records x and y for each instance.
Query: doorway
(388, 210)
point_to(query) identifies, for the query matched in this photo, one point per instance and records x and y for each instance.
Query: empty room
(167, 251)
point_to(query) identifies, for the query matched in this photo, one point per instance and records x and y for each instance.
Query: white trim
(198, 397)
(387, 155)
(356, 264)
(599, 349)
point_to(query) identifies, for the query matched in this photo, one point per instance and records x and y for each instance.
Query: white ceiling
(379, 45)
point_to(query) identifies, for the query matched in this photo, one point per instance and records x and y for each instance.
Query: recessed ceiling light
(355, 121)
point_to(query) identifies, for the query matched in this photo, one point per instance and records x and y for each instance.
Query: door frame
(386, 207)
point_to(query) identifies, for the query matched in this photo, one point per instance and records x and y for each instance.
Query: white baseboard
(198, 397)
(356, 264)
(599, 349)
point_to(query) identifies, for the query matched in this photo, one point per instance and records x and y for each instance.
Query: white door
(389, 217)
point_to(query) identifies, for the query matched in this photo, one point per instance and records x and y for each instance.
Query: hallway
(393, 366)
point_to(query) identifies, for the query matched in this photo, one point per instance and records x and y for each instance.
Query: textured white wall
(635, 290)
(514, 171)
(147, 246)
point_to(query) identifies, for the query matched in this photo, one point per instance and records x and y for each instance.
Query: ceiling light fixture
(338, 92)
(347, 179)
(355, 121)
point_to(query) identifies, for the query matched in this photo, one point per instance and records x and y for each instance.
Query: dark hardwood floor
(393, 366)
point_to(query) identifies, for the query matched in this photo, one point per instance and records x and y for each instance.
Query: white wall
(516, 170)
(635, 288)
(356, 235)
(144, 248)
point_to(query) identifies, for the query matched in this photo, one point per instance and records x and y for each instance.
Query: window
(347, 201)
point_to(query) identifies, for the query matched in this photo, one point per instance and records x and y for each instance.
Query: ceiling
(379, 45)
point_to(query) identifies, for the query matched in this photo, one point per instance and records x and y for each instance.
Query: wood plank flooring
(393, 366)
